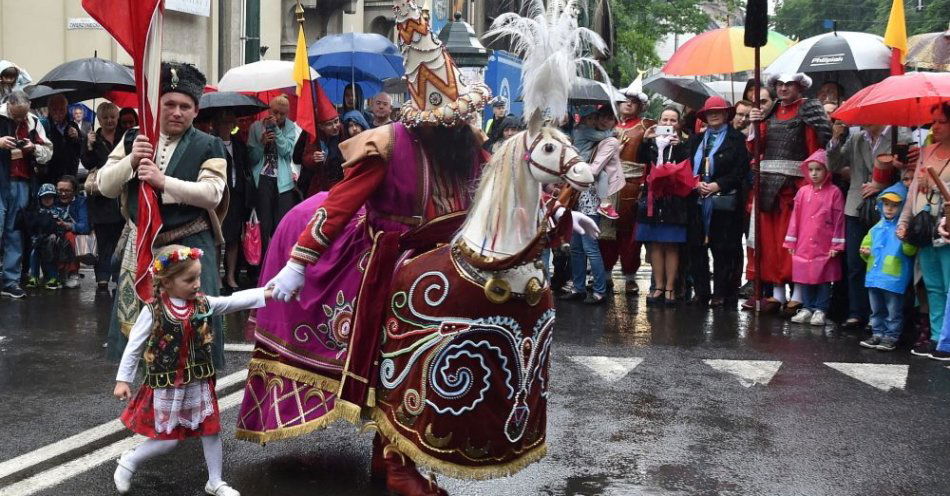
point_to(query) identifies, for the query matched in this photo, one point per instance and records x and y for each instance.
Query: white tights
(778, 292)
(154, 447)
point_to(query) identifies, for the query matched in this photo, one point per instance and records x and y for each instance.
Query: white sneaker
(222, 489)
(72, 281)
(802, 316)
(818, 318)
(123, 475)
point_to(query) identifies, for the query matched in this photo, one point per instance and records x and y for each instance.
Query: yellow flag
(301, 67)
(896, 34)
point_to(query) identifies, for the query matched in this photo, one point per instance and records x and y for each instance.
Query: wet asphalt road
(673, 425)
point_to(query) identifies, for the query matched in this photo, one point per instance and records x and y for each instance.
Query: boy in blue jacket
(890, 268)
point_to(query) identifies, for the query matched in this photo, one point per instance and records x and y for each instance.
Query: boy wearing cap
(890, 265)
(48, 242)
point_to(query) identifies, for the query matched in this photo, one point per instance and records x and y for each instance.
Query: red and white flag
(137, 26)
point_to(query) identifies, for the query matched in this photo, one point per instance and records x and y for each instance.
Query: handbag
(86, 249)
(868, 213)
(251, 241)
(922, 229)
(725, 202)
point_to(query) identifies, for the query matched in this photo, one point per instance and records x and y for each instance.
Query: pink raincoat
(816, 228)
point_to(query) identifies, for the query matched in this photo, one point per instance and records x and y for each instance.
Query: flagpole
(298, 10)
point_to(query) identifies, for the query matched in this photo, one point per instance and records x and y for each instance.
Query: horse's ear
(535, 122)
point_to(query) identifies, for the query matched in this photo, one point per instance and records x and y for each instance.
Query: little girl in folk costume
(173, 336)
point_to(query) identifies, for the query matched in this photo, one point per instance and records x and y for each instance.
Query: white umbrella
(264, 75)
(849, 58)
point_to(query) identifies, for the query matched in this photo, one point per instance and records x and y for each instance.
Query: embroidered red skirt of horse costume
(465, 396)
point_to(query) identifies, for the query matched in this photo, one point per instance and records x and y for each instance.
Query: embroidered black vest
(163, 349)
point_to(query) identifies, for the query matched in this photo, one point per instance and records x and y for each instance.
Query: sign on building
(196, 7)
(82, 23)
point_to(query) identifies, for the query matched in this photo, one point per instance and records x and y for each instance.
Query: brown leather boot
(403, 479)
(377, 466)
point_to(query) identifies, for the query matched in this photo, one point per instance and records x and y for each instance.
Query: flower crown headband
(163, 261)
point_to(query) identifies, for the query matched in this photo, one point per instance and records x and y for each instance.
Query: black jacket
(66, 152)
(240, 182)
(666, 210)
(102, 210)
(731, 162)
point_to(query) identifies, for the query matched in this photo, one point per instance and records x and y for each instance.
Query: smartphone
(21, 143)
(664, 131)
(901, 150)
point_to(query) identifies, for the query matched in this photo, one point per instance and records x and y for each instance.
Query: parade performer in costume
(174, 338)
(793, 129)
(190, 170)
(618, 238)
(406, 188)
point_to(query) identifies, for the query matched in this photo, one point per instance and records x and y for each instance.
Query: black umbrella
(94, 76)
(685, 91)
(589, 92)
(39, 94)
(240, 104)
(853, 60)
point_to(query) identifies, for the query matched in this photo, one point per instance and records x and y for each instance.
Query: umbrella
(685, 91)
(589, 92)
(929, 51)
(853, 60)
(241, 105)
(260, 76)
(364, 58)
(903, 100)
(39, 94)
(91, 77)
(722, 51)
(670, 180)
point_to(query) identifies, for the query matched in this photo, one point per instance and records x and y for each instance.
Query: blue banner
(503, 77)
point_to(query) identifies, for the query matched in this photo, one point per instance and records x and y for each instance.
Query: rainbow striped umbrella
(721, 51)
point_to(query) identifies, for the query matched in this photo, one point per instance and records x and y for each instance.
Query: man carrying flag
(188, 172)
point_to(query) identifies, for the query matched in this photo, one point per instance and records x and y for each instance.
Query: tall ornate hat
(440, 96)
(182, 78)
(800, 78)
(635, 90)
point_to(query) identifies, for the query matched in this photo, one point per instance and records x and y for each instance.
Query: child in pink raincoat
(815, 238)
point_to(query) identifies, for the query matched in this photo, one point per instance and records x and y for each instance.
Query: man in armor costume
(791, 130)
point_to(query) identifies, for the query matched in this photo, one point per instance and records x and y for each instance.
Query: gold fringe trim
(293, 373)
(407, 447)
(350, 412)
(289, 432)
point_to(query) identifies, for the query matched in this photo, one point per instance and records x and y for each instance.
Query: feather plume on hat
(553, 48)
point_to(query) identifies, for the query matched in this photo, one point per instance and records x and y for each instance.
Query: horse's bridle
(563, 166)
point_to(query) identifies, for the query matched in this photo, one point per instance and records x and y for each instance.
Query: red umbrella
(670, 180)
(904, 100)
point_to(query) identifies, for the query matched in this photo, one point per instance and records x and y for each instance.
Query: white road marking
(882, 376)
(239, 347)
(749, 372)
(608, 368)
(40, 455)
(72, 468)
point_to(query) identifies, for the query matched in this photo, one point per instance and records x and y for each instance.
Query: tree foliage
(641, 24)
(802, 19)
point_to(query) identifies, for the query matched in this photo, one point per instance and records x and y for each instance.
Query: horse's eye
(549, 148)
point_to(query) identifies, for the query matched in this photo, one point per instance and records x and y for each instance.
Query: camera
(21, 143)
(664, 131)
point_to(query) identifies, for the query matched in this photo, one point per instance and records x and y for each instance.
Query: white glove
(583, 224)
(288, 281)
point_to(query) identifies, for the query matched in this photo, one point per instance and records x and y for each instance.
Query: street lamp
(469, 54)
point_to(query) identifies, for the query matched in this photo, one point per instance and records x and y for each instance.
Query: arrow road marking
(608, 368)
(749, 372)
(882, 376)
(40, 455)
(68, 470)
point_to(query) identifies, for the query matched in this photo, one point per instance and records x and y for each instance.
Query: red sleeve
(811, 140)
(344, 200)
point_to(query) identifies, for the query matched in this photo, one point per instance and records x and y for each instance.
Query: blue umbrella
(362, 58)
